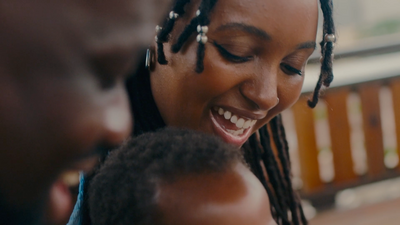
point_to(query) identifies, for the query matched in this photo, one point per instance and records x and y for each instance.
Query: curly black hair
(124, 188)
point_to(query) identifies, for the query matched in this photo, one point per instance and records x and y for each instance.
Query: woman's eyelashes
(231, 57)
(290, 70)
(285, 67)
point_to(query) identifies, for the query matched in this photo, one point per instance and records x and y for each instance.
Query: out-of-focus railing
(353, 136)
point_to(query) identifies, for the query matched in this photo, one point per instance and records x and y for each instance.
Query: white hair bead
(202, 38)
(202, 29)
(173, 15)
(158, 28)
(330, 38)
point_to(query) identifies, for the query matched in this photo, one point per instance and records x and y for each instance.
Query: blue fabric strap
(75, 218)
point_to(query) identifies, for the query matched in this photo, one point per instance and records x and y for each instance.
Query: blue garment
(75, 218)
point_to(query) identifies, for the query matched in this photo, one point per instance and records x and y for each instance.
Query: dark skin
(62, 70)
(233, 197)
(256, 53)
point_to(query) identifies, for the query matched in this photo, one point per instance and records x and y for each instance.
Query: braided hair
(327, 44)
(202, 19)
(266, 151)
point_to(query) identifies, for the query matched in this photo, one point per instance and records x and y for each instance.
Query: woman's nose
(261, 90)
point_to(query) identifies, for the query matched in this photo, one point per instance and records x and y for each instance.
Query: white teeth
(236, 132)
(247, 124)
(234, 119)
(227, 115)
(220, 111)
(240, 123)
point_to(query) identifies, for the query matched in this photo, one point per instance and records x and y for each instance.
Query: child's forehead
(213, 196)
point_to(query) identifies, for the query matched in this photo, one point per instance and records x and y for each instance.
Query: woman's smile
(231, 125)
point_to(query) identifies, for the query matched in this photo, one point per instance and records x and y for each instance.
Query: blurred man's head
(177, 177)
(62, 69)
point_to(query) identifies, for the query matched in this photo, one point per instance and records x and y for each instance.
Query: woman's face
(253, 67)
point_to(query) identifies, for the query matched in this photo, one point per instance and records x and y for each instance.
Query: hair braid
(327, 44)
(281, 143)
(256, 153)
(167, 28)
(274, 173)
(283, 139)
(201, 50)
(187, 32)
(302, 215)
(252, 155)
(160, 53)
(203, 20)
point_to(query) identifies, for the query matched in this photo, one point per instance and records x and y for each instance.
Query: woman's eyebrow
(308, 44)
(245, 28)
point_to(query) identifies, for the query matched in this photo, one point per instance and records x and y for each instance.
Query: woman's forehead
(274, 12)
(290, 21)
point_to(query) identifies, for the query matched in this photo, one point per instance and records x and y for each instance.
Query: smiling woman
(228, 68)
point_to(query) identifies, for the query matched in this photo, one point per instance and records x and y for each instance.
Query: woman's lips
(233, 128)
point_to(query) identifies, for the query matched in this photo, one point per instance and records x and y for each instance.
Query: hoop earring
(149, 63)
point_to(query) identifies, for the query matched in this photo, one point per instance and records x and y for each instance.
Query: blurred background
(345, 152)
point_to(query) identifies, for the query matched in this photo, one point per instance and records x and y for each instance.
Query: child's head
(177, 177)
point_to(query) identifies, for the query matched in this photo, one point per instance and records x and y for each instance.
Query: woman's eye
(231, 57)
(289, 70)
